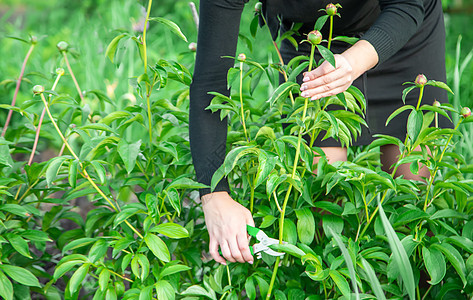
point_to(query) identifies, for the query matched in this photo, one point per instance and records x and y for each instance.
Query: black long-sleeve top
(387, 25)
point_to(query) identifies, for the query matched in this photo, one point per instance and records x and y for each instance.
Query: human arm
(396, 24)
(218, 35)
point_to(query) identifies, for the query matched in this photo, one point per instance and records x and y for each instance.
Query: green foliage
(352, 230)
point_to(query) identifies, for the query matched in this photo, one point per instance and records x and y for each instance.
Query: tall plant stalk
(83, 171)
(18, 83)
(293, 175)
(145, 70)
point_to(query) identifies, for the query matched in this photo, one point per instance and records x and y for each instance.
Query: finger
(226, 251)
(236, 251)
(328, 89)
(244, 248)
(213, 250)
(327, 79)
(330, 93)
(323, 69)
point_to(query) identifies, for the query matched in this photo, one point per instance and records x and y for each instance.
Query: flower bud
(421, 80)
(258, 7)
(193, 47)
(38, 89)
(60, 71)
(331, 9)
(33, 40)
(314, 37)
(241, 57)
(436, 103)
(62, 46)
(465, 112)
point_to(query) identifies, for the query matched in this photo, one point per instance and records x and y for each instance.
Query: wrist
(362, 56)
(207, 198)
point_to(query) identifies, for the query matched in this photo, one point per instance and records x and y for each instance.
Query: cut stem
(17, 89)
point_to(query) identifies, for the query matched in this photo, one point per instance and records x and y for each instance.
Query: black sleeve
(398, 21)
(218, 36)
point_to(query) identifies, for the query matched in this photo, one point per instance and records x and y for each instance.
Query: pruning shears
(264, 242)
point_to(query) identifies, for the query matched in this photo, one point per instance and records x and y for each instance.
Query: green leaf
(373, 280)
(129, 153)
(341, 283)
(173, 269)
(19, 244)
(197, 290)
(398, 111)
(266, 165)
(6, 288)
(327, 55)
(146, 293)
(77, 278)
(454, 257)
(20, 275)
(290, 232)
(414, 124)
(104, 278)
(164, 290)
(348, 261)
(186, 183)
(434, 262)
(112, 47)
(399, 255)
(332, 223)
(5, 157)
(53, 168)
(439, 84)
(173, 197)
(64, 267)
(266, 131)
(406, 91)
(320, 22)
(172, 230)
(282, 92)
(98, 250)
(73, 168)
(171, 25)
(250, 288)
(158, 247)
(15, 209)
(78, 243)
(140, 260)
(125, 214)
(347, 39)
(116, 115)
(305, 225)
(98, 126)
(100, 170)
(288, 248)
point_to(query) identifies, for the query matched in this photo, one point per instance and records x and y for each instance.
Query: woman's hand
(226, 222)
(326, 80)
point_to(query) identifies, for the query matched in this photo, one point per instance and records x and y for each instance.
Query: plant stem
(84, 171)
(145, 58)
(72, 75)
(38, 129)
(330, 33)
(242, 111)
(431, 180)
(17, 89)
(421, 93)
(293, 175)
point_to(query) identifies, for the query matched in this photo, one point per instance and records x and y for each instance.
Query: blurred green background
(88, 26)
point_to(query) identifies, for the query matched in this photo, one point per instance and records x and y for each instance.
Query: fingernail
(303, 88)
(224, 263)
(304, 94)
(306, 79)
(314, 98)
(250, 262)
